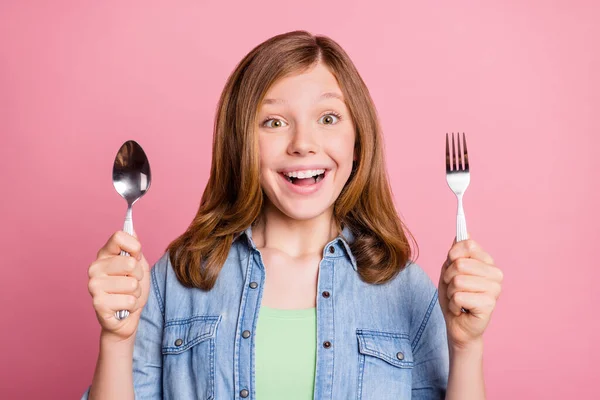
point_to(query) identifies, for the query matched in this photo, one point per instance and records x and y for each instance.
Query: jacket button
(178, 342)
(331, 249)
(244, 393)
(325, 294)
(246, 334)
(253, 285)
(400, 356)
(327, 344)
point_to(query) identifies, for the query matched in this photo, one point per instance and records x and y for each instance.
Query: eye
(329, 119)
(274, 123)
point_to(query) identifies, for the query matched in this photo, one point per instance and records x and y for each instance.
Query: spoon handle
(127, 228)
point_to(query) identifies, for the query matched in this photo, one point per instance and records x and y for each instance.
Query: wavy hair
(233, 198)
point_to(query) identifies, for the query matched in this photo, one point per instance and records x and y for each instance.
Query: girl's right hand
(119, 283)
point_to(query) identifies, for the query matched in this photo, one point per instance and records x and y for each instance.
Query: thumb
(145, 262)
(140, 256)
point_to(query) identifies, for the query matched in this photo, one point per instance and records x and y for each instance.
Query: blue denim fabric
(386, 341)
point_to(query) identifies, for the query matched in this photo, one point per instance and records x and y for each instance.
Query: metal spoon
(131, 178)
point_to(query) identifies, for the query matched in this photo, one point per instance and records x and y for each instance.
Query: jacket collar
(345, 238)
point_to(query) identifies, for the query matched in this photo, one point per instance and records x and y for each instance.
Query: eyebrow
(327, 95)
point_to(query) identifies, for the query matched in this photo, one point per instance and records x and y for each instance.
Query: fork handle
(461, 222)
(461, 230)
(127, 228)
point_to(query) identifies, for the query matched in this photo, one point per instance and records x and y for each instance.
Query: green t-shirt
(285, 351)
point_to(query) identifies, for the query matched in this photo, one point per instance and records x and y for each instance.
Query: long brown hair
(233, 198)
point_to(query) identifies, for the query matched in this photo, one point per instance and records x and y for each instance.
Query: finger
(138, 291)
(476, 303)
(473, 284)
(108, 304)
(470, 266)
(117, 266)
(454, 308)
(112, 284)
(120, 241)
(469, 249)
(125, 265)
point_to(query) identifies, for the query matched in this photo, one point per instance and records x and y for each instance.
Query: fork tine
(448, 162)
(465, 151)
(454, 155)
(459, 159)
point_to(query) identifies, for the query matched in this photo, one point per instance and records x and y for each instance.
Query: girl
(294, 280)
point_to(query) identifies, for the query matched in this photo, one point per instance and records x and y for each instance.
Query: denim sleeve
(147, 352)
(430, 345)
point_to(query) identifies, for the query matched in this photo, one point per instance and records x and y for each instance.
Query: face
(306, 140)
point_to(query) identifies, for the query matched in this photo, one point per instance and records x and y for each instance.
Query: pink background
(521, 78)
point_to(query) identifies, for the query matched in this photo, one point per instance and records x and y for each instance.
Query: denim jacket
(374, 342)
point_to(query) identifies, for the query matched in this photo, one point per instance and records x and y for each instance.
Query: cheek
(342, 149)
(267, 151)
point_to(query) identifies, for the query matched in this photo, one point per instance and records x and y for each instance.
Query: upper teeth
(304, 174)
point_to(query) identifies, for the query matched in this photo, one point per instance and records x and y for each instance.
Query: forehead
(306, 84)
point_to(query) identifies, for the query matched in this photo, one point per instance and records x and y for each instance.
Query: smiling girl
(295, 279)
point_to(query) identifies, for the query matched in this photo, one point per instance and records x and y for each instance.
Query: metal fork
(458, 178)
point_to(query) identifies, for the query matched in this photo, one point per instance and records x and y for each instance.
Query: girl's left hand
(469, 279)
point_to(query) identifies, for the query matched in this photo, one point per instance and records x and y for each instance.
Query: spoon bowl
(131, 172)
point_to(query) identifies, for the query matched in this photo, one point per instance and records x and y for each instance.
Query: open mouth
(305, 181)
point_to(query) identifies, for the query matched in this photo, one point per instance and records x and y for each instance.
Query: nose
(303, 141)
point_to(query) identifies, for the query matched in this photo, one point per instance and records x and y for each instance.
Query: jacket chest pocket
(188, 349)
(385, 365)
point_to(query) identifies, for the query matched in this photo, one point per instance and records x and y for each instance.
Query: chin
(303, 212)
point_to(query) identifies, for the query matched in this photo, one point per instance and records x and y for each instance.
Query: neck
(296, 238)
